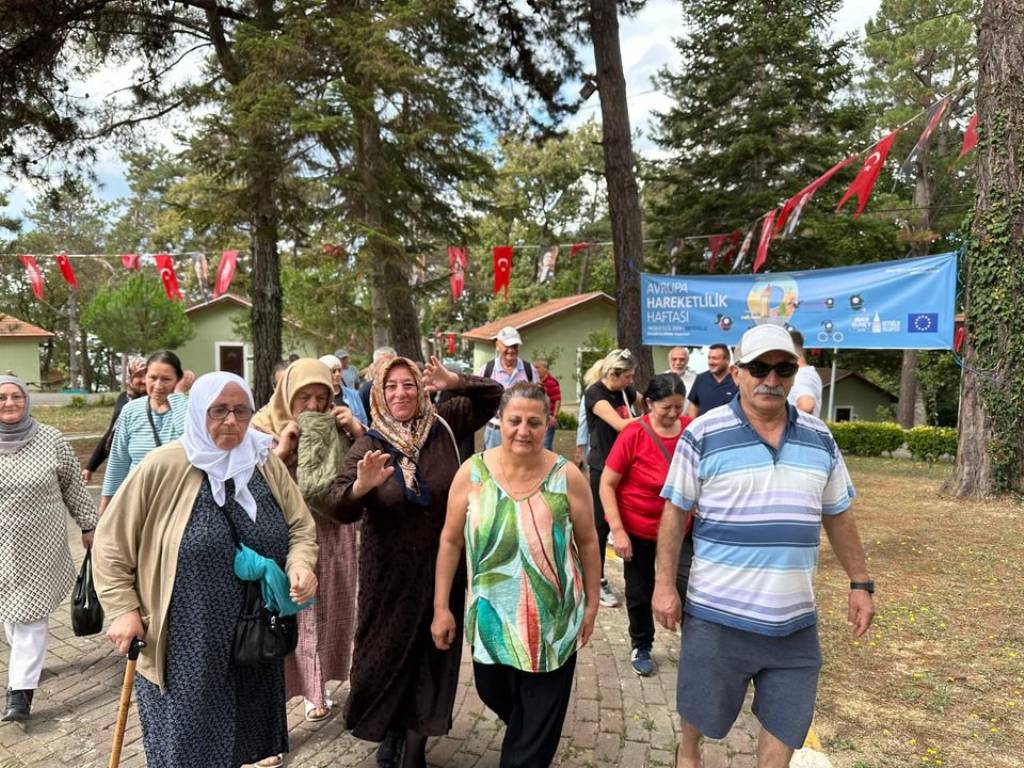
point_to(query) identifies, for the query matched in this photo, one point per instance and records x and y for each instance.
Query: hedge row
(870, 438)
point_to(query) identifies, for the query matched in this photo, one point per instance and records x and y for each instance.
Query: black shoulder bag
(261, 636)
(86, 611)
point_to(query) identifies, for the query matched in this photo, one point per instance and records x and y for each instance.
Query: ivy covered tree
(990, 453)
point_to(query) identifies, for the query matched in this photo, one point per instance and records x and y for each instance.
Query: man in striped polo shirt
(761, 479)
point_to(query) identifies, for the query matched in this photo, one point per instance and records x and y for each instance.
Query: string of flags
(163, 262)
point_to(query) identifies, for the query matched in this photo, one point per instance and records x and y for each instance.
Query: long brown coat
(399, 680)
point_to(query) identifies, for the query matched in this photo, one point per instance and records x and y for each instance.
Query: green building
(19, 348)
(856, 398)
(557, 329)
(221, 340)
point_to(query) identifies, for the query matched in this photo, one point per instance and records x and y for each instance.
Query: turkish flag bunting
(971, 136)
(794, 207)
(715, 243)
(165, 267)
(35, 274)
(66, 270)
(868, 174)
(767, 222)
(451, 343)
(225, 271)
(734, 241)
(502, 268)
(744, 248)
(935, 113)
(130, 260)
(577, 247)
(457, 263)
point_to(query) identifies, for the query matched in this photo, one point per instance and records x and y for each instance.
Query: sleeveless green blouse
(526, 584)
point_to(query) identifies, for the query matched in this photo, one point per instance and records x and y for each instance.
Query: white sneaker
(608, 598)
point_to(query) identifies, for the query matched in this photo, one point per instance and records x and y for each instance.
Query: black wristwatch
(867, 586)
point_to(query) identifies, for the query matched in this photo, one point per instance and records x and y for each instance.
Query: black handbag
(261, 636)
(86, 611)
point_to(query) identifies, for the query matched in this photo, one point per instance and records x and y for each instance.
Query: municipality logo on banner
(904, 304)
(923, 322)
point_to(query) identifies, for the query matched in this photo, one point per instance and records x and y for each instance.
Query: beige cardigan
(135, 553)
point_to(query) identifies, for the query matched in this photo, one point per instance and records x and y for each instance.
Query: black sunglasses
(786, 369)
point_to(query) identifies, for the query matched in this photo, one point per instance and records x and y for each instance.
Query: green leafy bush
(106, 400)
(77, 401)
(867, 438)
(567, 420)
(929, 443)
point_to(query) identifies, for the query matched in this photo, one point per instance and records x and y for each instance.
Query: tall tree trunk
(909, 404)
(390, 277)
(990, 452)
(378, 324)
(266, 293)
(73, 339)
(623, 194)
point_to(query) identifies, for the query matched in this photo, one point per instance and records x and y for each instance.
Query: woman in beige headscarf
(312, 436)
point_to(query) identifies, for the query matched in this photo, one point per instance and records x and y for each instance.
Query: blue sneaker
(642, 662)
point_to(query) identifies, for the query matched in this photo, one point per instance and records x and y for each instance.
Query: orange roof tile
(520, 320)
(12, 326)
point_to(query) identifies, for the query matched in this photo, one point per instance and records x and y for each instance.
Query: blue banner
(905, 304)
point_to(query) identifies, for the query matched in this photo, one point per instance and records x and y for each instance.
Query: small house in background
(19, 349)
(558, 329)
(856, 398)
(219, 343)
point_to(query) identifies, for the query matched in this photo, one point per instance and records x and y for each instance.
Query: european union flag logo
(923, 322)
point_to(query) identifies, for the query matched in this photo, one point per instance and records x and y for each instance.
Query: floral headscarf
(406, 437)
(135, 365)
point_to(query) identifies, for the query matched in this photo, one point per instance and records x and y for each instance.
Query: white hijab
(219, 465)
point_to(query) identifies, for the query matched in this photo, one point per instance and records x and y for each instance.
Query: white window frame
(853, 412)
(217, 345)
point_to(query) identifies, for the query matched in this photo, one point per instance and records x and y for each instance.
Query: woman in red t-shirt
(634, 474)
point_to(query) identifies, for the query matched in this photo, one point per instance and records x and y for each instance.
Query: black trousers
(602, 525)
(639, 575)
(531, 704)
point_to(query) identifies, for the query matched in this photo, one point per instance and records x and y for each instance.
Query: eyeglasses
(785, 370)
(220, 412)
(12, 399)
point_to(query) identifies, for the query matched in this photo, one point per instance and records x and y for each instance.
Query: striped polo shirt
(134, 436)
(757, 516)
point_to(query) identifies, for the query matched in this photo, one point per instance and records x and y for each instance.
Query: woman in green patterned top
(525, 517)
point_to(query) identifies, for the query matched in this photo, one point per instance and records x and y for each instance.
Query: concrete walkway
(615, 719)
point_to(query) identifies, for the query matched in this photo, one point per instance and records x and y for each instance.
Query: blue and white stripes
(757, 517)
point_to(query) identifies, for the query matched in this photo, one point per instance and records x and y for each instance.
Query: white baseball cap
(509, 336)
(764, 338)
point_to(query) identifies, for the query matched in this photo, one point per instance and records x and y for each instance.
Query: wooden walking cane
(125, 703)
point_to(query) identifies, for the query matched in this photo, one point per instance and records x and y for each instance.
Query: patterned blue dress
(213, 715)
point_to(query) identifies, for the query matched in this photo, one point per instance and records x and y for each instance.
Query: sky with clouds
(647, 46)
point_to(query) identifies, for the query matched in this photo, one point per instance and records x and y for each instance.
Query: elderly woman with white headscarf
(163, 561)
(40, 485)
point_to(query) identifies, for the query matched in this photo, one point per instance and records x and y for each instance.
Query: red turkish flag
(868, 174)
(66, 270)
(795, 205)
(971, 136)
(577, 247)
(165, 267)
(715, 243)
(225, 271)
(130, 260)
(734, 241)
(767, 222)
(451, 343)
(457, 263)
(35, 274)
(502, 268)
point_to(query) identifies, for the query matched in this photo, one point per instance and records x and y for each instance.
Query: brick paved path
(615, 718)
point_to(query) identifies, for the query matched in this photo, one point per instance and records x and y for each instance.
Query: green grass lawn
(89, 420)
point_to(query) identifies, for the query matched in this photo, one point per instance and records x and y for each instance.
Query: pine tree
(756, 115)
